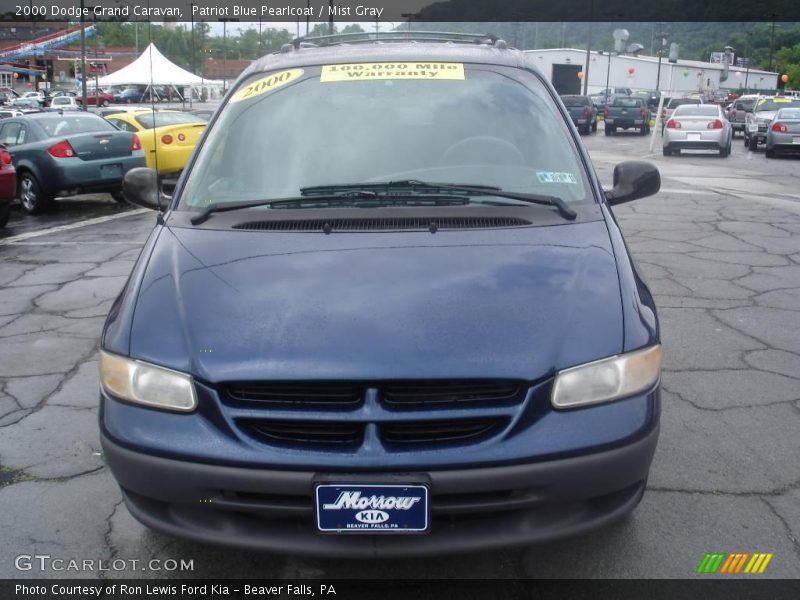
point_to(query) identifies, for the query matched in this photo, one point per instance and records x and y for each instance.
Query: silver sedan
(783, 134)
(698, 127)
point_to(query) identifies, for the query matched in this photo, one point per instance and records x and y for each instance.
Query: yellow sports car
(168, 137)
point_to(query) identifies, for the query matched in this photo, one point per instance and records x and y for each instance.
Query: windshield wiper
(424, 187)
(354, 198)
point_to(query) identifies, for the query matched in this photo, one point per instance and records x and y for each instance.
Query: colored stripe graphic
(724, 563)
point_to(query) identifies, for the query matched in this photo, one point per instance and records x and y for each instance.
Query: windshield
(471, 125)
(151, 120)
(680, 102)
(697, 110)
(771, 104)
(65, 125)
(627, 102)
(576, 101)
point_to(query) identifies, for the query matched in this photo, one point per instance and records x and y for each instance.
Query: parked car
(698, 127)
(8, 185)
(62, 102)
(320, 324)
(783, 135)
(168, 136)
(67, 154)
(5, 113)
(39, 97)
(22, 103)
(757, 122)
(96, 97)
(136, 95)
(651, 97)
(626, 112)
(738, 112)
(582, 111)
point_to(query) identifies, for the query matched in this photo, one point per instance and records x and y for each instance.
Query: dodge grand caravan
(387, 312)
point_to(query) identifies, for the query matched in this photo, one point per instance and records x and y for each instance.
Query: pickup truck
(738, 111)
(582, 111)
(627, 113)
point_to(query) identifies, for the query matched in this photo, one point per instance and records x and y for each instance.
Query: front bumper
(472, 508)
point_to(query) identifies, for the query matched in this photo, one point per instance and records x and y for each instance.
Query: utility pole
(191, 39)
(83, 58)
(588, 51)
(772, 43)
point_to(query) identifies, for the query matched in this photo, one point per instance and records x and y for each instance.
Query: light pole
(663, 37)
(225, 52)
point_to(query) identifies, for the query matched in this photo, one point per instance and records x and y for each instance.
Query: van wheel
(5, 213)
(31, 196)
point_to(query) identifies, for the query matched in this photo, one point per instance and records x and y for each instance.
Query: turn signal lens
(166, 139)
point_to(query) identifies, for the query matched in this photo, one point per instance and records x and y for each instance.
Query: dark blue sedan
(387, 312)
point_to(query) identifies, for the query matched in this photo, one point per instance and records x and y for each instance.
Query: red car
(8, 185)
(96, 97)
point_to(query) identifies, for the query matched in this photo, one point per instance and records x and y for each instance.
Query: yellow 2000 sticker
(266, 84)
(392, 70)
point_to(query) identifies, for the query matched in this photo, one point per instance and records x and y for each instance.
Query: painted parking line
(59, 228)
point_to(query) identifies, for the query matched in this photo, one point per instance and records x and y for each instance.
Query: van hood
(230, 305)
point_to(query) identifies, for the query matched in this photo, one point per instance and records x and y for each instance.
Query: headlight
(146, 384)
(607, 379)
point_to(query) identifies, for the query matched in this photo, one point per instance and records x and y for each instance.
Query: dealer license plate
(692, 137)
(113, 171)
(370, 508)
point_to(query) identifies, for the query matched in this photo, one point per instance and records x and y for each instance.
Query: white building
(640, 72)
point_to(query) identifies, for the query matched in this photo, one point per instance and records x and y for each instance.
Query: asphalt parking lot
(720, 247)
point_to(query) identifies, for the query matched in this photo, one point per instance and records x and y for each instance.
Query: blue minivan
(387, 312)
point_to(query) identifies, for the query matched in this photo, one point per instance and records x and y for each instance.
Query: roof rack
(339, 39)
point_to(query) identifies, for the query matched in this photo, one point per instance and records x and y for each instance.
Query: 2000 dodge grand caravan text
(387, 312)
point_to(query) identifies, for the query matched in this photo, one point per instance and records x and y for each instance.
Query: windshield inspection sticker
(550, 177)
(392, 70)
(266, 84)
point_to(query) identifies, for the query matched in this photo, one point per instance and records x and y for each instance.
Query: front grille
(302, 433)
(344, 415)
(385, 224)
(297, 393)
(439, 393)
(309, 432)
(427, 432)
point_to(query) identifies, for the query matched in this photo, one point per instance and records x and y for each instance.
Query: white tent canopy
(153, 68)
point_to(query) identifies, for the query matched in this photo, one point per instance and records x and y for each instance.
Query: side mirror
(633, 180)
(141, 186)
